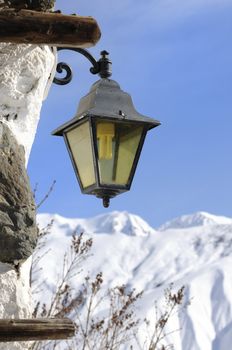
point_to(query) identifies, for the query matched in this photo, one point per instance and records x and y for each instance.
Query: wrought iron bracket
(102, 67)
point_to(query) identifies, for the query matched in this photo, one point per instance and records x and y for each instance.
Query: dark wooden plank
(54, 29)
(36, 329)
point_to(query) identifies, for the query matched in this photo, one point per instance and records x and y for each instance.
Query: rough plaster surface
(15, 300)
(26, 73)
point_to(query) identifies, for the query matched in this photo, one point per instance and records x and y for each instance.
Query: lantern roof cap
(107, 100)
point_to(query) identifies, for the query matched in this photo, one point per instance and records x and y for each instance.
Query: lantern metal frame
(102, 103)
(104, 191)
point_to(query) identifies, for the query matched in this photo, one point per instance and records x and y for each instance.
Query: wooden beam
(36, 329)
(49, 28)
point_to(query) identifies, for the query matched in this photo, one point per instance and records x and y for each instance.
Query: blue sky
(175, 59)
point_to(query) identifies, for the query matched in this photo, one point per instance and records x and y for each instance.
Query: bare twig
(47, 195)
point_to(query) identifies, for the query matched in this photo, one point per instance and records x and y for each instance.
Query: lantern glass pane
(117, 146)
(79, 140)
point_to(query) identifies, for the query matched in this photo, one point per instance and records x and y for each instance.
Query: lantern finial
(106, 202)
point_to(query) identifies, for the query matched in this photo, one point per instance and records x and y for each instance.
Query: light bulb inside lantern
(105, 135)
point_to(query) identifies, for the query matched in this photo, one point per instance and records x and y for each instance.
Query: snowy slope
(193, 250)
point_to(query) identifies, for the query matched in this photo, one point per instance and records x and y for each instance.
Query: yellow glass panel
(79, 140)
(128, 146)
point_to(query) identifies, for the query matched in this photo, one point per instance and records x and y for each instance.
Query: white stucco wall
(15, 298)
(26, 73)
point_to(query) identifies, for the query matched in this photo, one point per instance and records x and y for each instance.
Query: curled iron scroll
(61, 67)
(68, 77)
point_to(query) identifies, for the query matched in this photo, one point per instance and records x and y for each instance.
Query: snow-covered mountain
(198, 219)
(193, 250)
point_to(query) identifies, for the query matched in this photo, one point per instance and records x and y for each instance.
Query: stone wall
(18, 230)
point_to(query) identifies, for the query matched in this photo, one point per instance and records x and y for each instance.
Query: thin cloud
(136, 9)
(164, 12)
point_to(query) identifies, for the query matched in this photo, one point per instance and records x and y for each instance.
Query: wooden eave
(36, 329)
(48, 28)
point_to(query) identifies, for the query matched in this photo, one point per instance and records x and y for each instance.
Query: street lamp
(106, 136)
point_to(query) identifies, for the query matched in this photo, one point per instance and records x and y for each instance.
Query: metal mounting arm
(102, 67)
